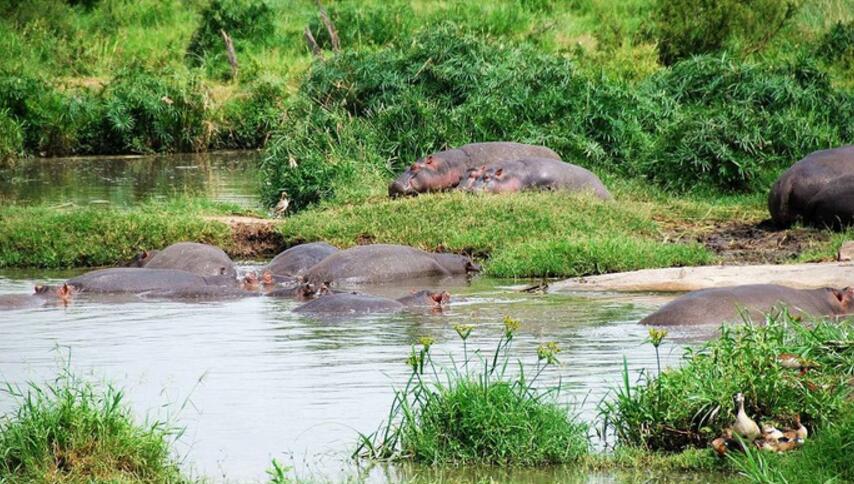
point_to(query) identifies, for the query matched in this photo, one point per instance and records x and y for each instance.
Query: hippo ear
(64, 291)
(429, 160)
(499, 172)
(414, 168)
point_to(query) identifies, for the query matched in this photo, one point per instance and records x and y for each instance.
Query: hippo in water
(299, 259)
(41, 296)
(142, 258)
(372, 264)
(129, 280)
(726, 304)
(353, 303)
(535, 174)
(791, 197)
(200, 259)
(444, 170)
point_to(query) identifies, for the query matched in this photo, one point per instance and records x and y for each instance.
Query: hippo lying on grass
(201, 259)
(372, 264)
(129, 280)
(41, 296)
(726, 304)
(299, 259)
(352, 303)
(813, 189)
(533, 174)
(444, 170)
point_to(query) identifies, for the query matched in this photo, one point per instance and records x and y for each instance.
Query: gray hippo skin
(129, 280)
(142, 258)
(371, 264)
(536, 174)
(299, 259)
(444, 170)
(724, 304)
(792, 193)
(352, 303)
(833, 206)
(41, 296)
(200, 259)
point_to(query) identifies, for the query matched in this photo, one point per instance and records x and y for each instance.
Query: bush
(837, 45)
(251, 21)
(70, 431)
(484, 417)
(11, 137)
(691, 405)
(249, 118)
(690, 27)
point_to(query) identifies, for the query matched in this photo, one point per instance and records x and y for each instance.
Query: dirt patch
(253, 238)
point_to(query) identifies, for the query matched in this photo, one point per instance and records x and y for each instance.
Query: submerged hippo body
(41, 296)
(352, 303)
(444, 170)
(299, 259)
(536, 174)
(726, 304)
(793, 193)
(128, 280)
(200, 259)
(833, 206)
(371, 264)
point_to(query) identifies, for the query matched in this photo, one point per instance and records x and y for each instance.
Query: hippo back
(791, 194)
(556, 174)
(199, 259)
(498, 151)
(349, 303)
(368, 264)
(833, 206)
(299, 259)
(135, 280)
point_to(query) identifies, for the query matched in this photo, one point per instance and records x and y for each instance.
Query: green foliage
(690, 27)
(11, 137)
(364, 24)
(45, 237)
(71, 431)
(482, 416)
(248, 21)
(691, 405)
(249, 119)
(837, 45)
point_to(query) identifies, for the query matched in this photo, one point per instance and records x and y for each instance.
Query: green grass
(689, 406)
(43, 236)
(71, 431)
(476, 413)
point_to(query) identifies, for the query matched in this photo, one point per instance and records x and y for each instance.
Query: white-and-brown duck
(744, 426)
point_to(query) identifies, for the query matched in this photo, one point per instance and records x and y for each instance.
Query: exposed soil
(253, 238)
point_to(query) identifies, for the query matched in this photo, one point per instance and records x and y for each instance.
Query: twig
(230, 53)
(312, 44)
(333, 34)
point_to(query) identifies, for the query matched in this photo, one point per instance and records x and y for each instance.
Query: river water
(250, 380)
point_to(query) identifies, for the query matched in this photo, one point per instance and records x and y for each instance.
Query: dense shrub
(11, 137)
(249, 118)
(243, 20)
(837, 45)
(708, 121)
(691, 27)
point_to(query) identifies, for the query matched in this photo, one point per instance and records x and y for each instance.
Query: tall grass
(73, 431)
(689, 406)
(477, 413)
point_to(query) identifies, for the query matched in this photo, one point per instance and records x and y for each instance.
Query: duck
(726, 443)
(744, 425)
(801, 431)
(769, 432)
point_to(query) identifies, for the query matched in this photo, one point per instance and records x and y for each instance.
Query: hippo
(354, 303)
(200, 259)
(790, 197)
(833, 206)
(372, 264)
(444, 170)
(41, 296)
(298, 259)
(726, 304)
(536, 174)
(142, 258)
(201, 293)
(130, 280)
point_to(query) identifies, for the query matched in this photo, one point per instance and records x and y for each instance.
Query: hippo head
(63, 292)
(845, 298)
(141, 259)
(457, 264)
(250, 281)
(267, 279)
(473, 179)
(432, 173)
(499, 181)
(440, 299)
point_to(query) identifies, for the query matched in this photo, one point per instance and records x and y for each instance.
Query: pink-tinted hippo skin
(833, 206)
(730, 304)
(41, 296)
(129, 280)
(538, 174)
(298, 259)
(354, 303)
(380, 263)
(200, 259)
(444, 170)
(793, 192)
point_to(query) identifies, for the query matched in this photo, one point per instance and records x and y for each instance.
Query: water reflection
(126, 180)
(252, 381)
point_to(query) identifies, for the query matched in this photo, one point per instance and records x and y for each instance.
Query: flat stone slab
(681, 279)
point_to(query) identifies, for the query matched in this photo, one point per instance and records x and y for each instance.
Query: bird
(801, 431)
(282, 206)
(726, 443)
(769, 432)
(744, 425)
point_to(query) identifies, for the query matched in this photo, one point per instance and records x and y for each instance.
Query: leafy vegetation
(691, 405)
(73, 431)
(476, 413)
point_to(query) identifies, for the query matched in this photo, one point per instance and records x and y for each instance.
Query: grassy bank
(72, 431)
(41, 236)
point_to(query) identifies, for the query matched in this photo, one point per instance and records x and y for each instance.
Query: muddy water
(127, 180)
(251, 380)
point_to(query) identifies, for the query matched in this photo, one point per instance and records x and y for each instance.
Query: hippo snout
(399, 188)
